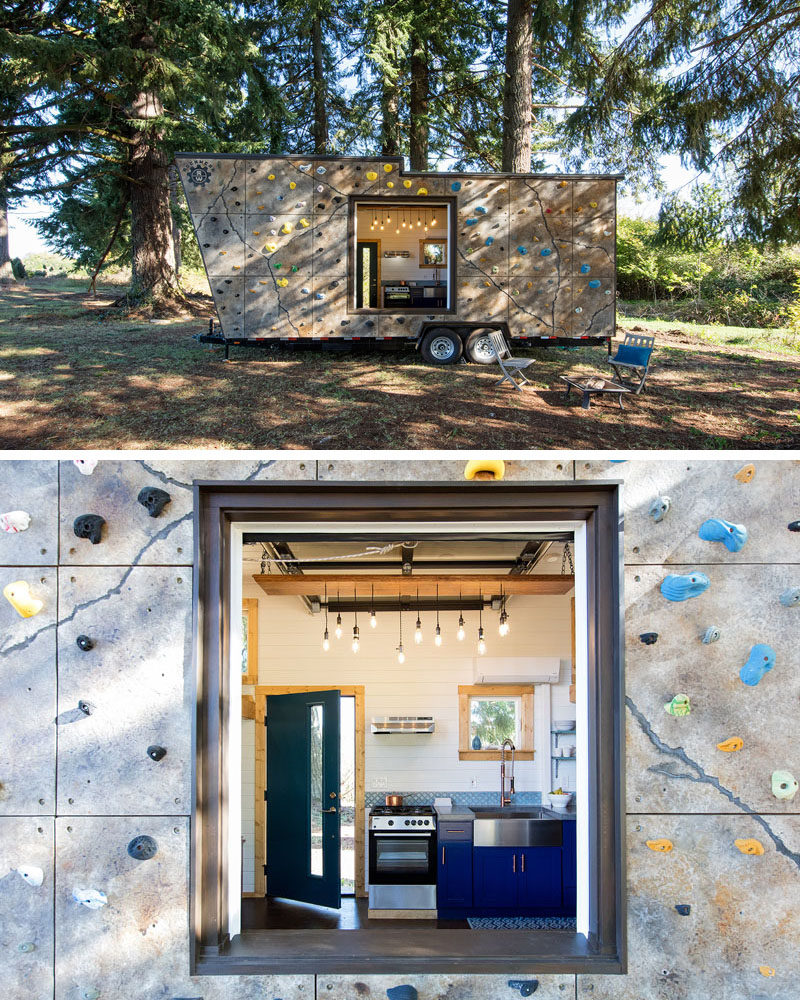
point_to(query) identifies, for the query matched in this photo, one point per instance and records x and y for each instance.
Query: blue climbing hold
(585, 268)
(711, 634)
(489, 240)
(480, 210)
(455, 186)
(681, 588)
(760, 661)
(143, 848)
(522, 251)
(471, 222)
(404, 992)
(546, 252)
(733, 536)
(683, 908)
(594, 283)
(790, 598)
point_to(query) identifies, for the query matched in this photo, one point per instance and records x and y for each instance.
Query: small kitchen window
(489, 714)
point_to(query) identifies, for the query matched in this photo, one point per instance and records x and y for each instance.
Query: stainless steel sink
(494, 827)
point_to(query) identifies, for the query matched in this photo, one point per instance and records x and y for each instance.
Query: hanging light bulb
(373, 618)
(437, 639)
(503, 628)
(404, 218)
(397, 223)
(461, 633)
(388, 218)
(356, 638)
(401, 656)
(419, 220)
(418, 627)
(481, 640)
(326, 641)
(433, 220)
(338, 630)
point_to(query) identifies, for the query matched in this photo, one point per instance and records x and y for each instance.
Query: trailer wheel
(478, 348)
(441, 346)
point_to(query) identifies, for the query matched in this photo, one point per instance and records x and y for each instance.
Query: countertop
(463, 814)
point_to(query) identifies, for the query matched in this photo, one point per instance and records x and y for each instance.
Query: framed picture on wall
(250, 640)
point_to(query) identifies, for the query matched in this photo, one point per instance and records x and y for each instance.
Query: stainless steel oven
(402, 858)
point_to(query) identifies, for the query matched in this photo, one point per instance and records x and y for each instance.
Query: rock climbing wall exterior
(533, 250)
(83, 916)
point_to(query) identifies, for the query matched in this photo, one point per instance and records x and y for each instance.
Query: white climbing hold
(85, 466)
(15, 521)
(32, 874)
(91, 898)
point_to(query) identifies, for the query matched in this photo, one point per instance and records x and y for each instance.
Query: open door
(367, 274)
(303, 831)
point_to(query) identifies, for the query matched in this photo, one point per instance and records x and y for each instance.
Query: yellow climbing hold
(287, 227)
(292, 185)
(766, 971)
(406, 184)
(256, 232)
(261, 208)
(422, 190)
(530, 284)
(730, 746)
(305, 223)
(372, 175)
(663, 845)
(282, 282)
(271, 177)
(745, 474)
(271, 247)
(237, 267)
(592, 204)
(562, 184)
(390, 184)
(484, 468)
(21, 599)
(750, 846)
(222, 253)
(258, 192)
(387, 168)
(487, 283)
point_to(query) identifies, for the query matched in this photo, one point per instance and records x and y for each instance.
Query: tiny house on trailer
(340, 249)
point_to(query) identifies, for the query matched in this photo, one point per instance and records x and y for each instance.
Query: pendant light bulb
(373, 619)
(355, 638)
(438, 637)
(326, 642)
(503, 629)
(481, 641)
(461, 633)
(418, 632)
(401, 656)
(338, 630)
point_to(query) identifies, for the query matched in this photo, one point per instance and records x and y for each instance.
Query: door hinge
(265, 720)
(265, 795)
(265, 869)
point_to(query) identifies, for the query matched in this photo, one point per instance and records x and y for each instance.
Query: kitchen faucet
(503, 800)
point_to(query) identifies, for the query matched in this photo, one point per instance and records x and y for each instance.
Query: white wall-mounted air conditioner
(405, 725)
(516, 669)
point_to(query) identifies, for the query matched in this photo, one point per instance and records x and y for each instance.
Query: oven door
(402, 858)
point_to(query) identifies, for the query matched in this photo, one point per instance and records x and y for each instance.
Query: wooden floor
(285, 914)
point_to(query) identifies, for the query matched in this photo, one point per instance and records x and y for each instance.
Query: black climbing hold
(226, 231)
(85, 643)
(89, 526)
(234, 189)
(156, 752)
(683, 908)
(86, 707)
(153, 499)
(370, 323)
(206, 244)
(648, 638)
(142, 848)
(526, 987)
(321, 206)
(794, 526)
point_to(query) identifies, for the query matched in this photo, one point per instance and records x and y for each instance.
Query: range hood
(407, 725)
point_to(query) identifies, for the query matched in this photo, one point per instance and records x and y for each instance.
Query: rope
(371, 550)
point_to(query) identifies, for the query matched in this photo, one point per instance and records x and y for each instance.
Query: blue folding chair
(633, 355)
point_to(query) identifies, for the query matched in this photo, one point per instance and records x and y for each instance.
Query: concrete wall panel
(443, 987)
(138, 680)
(436, 470)
(213, 185)
(28, 684)
(33, 487)
(26, 911)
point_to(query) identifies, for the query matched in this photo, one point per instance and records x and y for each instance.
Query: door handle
(514, 864)
(331, 810)
(523, 863)
(442, 853)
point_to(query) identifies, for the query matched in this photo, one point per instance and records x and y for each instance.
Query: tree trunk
(418, 104)
(153, 277)
(320, 124)
(517, 100)
(6, 272)
(390, 104)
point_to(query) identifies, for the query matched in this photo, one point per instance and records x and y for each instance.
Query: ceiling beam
(390, 586)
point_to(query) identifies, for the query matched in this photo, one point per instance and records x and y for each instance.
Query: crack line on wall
(701, 776)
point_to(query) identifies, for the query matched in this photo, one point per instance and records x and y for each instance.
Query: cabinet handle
(523, 864)
(514, 864)
(442, 853)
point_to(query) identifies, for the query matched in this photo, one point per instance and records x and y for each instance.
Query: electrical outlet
(473, 783)
(379, 783)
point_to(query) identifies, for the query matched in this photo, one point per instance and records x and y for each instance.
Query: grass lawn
(73, 374)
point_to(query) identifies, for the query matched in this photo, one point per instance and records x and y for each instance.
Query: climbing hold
(156, 752)
(85, 466)
(320, 295)
(93, 899)
(471, 222)
(404, 992)
(320, 188)
(648, 638)
(585, 268)
(270, 177)
(794, 526)
(767, 971)
(579, 309)
(790, 598)
(390, 184)
(153, 499)
(294, 268)
(731, 745)
(86, 707)
(292, 185)
(305, 223)
(455, 186)
(592, 204)
(745, 474)
(278, 266)
(683, 908)
(677, 587)
(371, 175)
(142, 848)
(89, 526)
(19, 596)
(784, 785)
(750, 846)
(84, 643)
(760, 661)
(26, 947)
(321, 170)
(733, 536)
(90, 993)
(304, 167)
(711, 634)
(305, 291)
(663, 845)
(15, 521)
(287, 228)
(387, 168)
(545, 252)
(32, 874)
(484, 468)
(489, 240)
(282, 282)
(271, 247)
(522, 251)
(480, 210)
(594, 283)
(658, 508)
(562, 184)
(680, 705)
(526, 987)
(406, 184)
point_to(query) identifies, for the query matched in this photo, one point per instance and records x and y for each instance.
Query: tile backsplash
(459, 798)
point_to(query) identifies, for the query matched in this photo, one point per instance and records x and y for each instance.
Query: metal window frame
(603, 951)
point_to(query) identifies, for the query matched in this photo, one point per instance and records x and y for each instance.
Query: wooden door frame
(259, 701)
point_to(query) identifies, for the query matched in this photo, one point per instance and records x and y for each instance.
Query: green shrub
(18, 269)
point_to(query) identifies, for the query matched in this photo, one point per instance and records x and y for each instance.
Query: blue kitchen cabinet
(539, 877)
(496, 877)
(454, 878)
(569, 864)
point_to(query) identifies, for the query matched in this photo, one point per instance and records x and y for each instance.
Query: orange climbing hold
(767, 971)
(745, 474)
(663, 845)
(732, 745)
(750, 846)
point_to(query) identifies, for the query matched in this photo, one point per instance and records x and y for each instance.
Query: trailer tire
(478, 348)
(441, 346)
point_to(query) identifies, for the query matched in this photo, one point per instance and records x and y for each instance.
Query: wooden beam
(391, 586)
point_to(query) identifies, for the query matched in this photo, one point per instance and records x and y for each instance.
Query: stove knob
(407, 822)
(413, 822)
(391, 822)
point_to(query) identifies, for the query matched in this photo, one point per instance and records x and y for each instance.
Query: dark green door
(303, 836)
(366, 275)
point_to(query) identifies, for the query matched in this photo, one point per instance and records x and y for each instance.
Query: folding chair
(512, 368)
(633, 354)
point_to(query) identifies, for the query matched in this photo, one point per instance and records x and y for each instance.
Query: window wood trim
(522, 691)
(603, 951)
